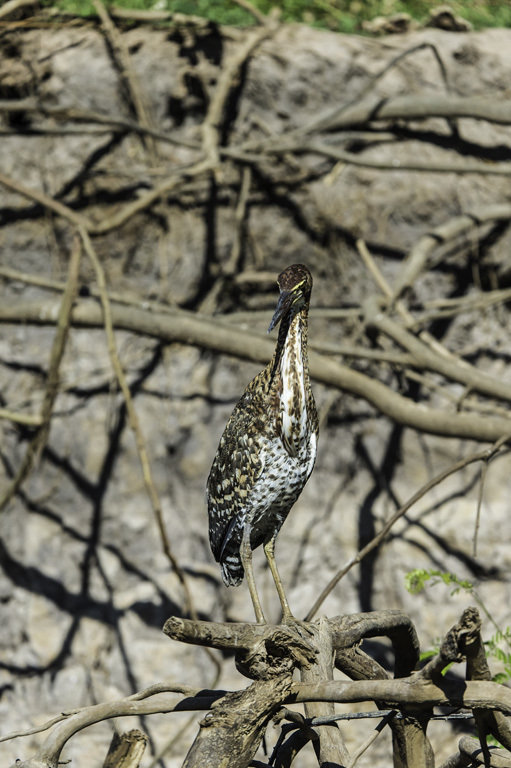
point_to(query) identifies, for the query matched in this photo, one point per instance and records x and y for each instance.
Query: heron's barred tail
(232, 570)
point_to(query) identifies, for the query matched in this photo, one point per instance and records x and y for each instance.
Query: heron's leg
(269, 551)
(246, 559)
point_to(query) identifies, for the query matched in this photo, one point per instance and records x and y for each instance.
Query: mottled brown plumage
(268, 448)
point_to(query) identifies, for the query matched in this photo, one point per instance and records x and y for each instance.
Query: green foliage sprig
(499, 644)
(416, 580)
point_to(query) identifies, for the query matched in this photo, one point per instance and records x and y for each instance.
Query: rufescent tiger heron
(268, 449)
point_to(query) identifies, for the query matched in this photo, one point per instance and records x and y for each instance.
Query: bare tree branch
(427, 359)
(11, 6)
(371, 738)
(209, 333)
(470, 754)
(330, 747)
(411, 691)
(134, 421)
(461, 225)
(420, 107)
(213, 120)
(484, 455)
(231, 733)
(130, 80)
(48, 202)
(47, 756)
(63, 322)
(126, 750)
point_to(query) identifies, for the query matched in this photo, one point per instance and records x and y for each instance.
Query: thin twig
(371, 738)
(396, 164)
(153, 690)
(228, 270)
(172, 741)
(40, 438)
(59, 287)
(399, 306)
(134, 421)
(212, 123)
(129, 77)
(48, 202)
(453, 307)
(332, 119)
(27, 419)
(468, 404)
(76, 114)
(38, 728)
(129, 210)
(239, 216)
(176, 325)
(484, 469)
(484, 455)
(449, 366)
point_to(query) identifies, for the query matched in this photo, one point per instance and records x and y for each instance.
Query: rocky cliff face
(85, 585)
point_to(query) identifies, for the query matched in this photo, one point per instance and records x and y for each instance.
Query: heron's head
(295, 285)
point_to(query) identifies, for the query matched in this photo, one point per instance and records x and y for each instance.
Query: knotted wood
(230, 734)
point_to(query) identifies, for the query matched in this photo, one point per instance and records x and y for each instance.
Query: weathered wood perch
(261, 651)
(231, 733)
(268, 654)
(236, 721)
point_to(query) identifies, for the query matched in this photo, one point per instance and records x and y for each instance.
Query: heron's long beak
(284, 303)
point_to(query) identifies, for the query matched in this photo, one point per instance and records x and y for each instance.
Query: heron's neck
(292, 375)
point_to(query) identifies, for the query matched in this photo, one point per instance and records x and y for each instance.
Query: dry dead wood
(261, 650)
(428, 360)
(416, 107)
(188, 328)
(236, 723)
(462, 225)
(10, 8)
(126, 750)
(62, 322)
(470, 753)
(232, 731)
(132, 86)
(47, 756)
